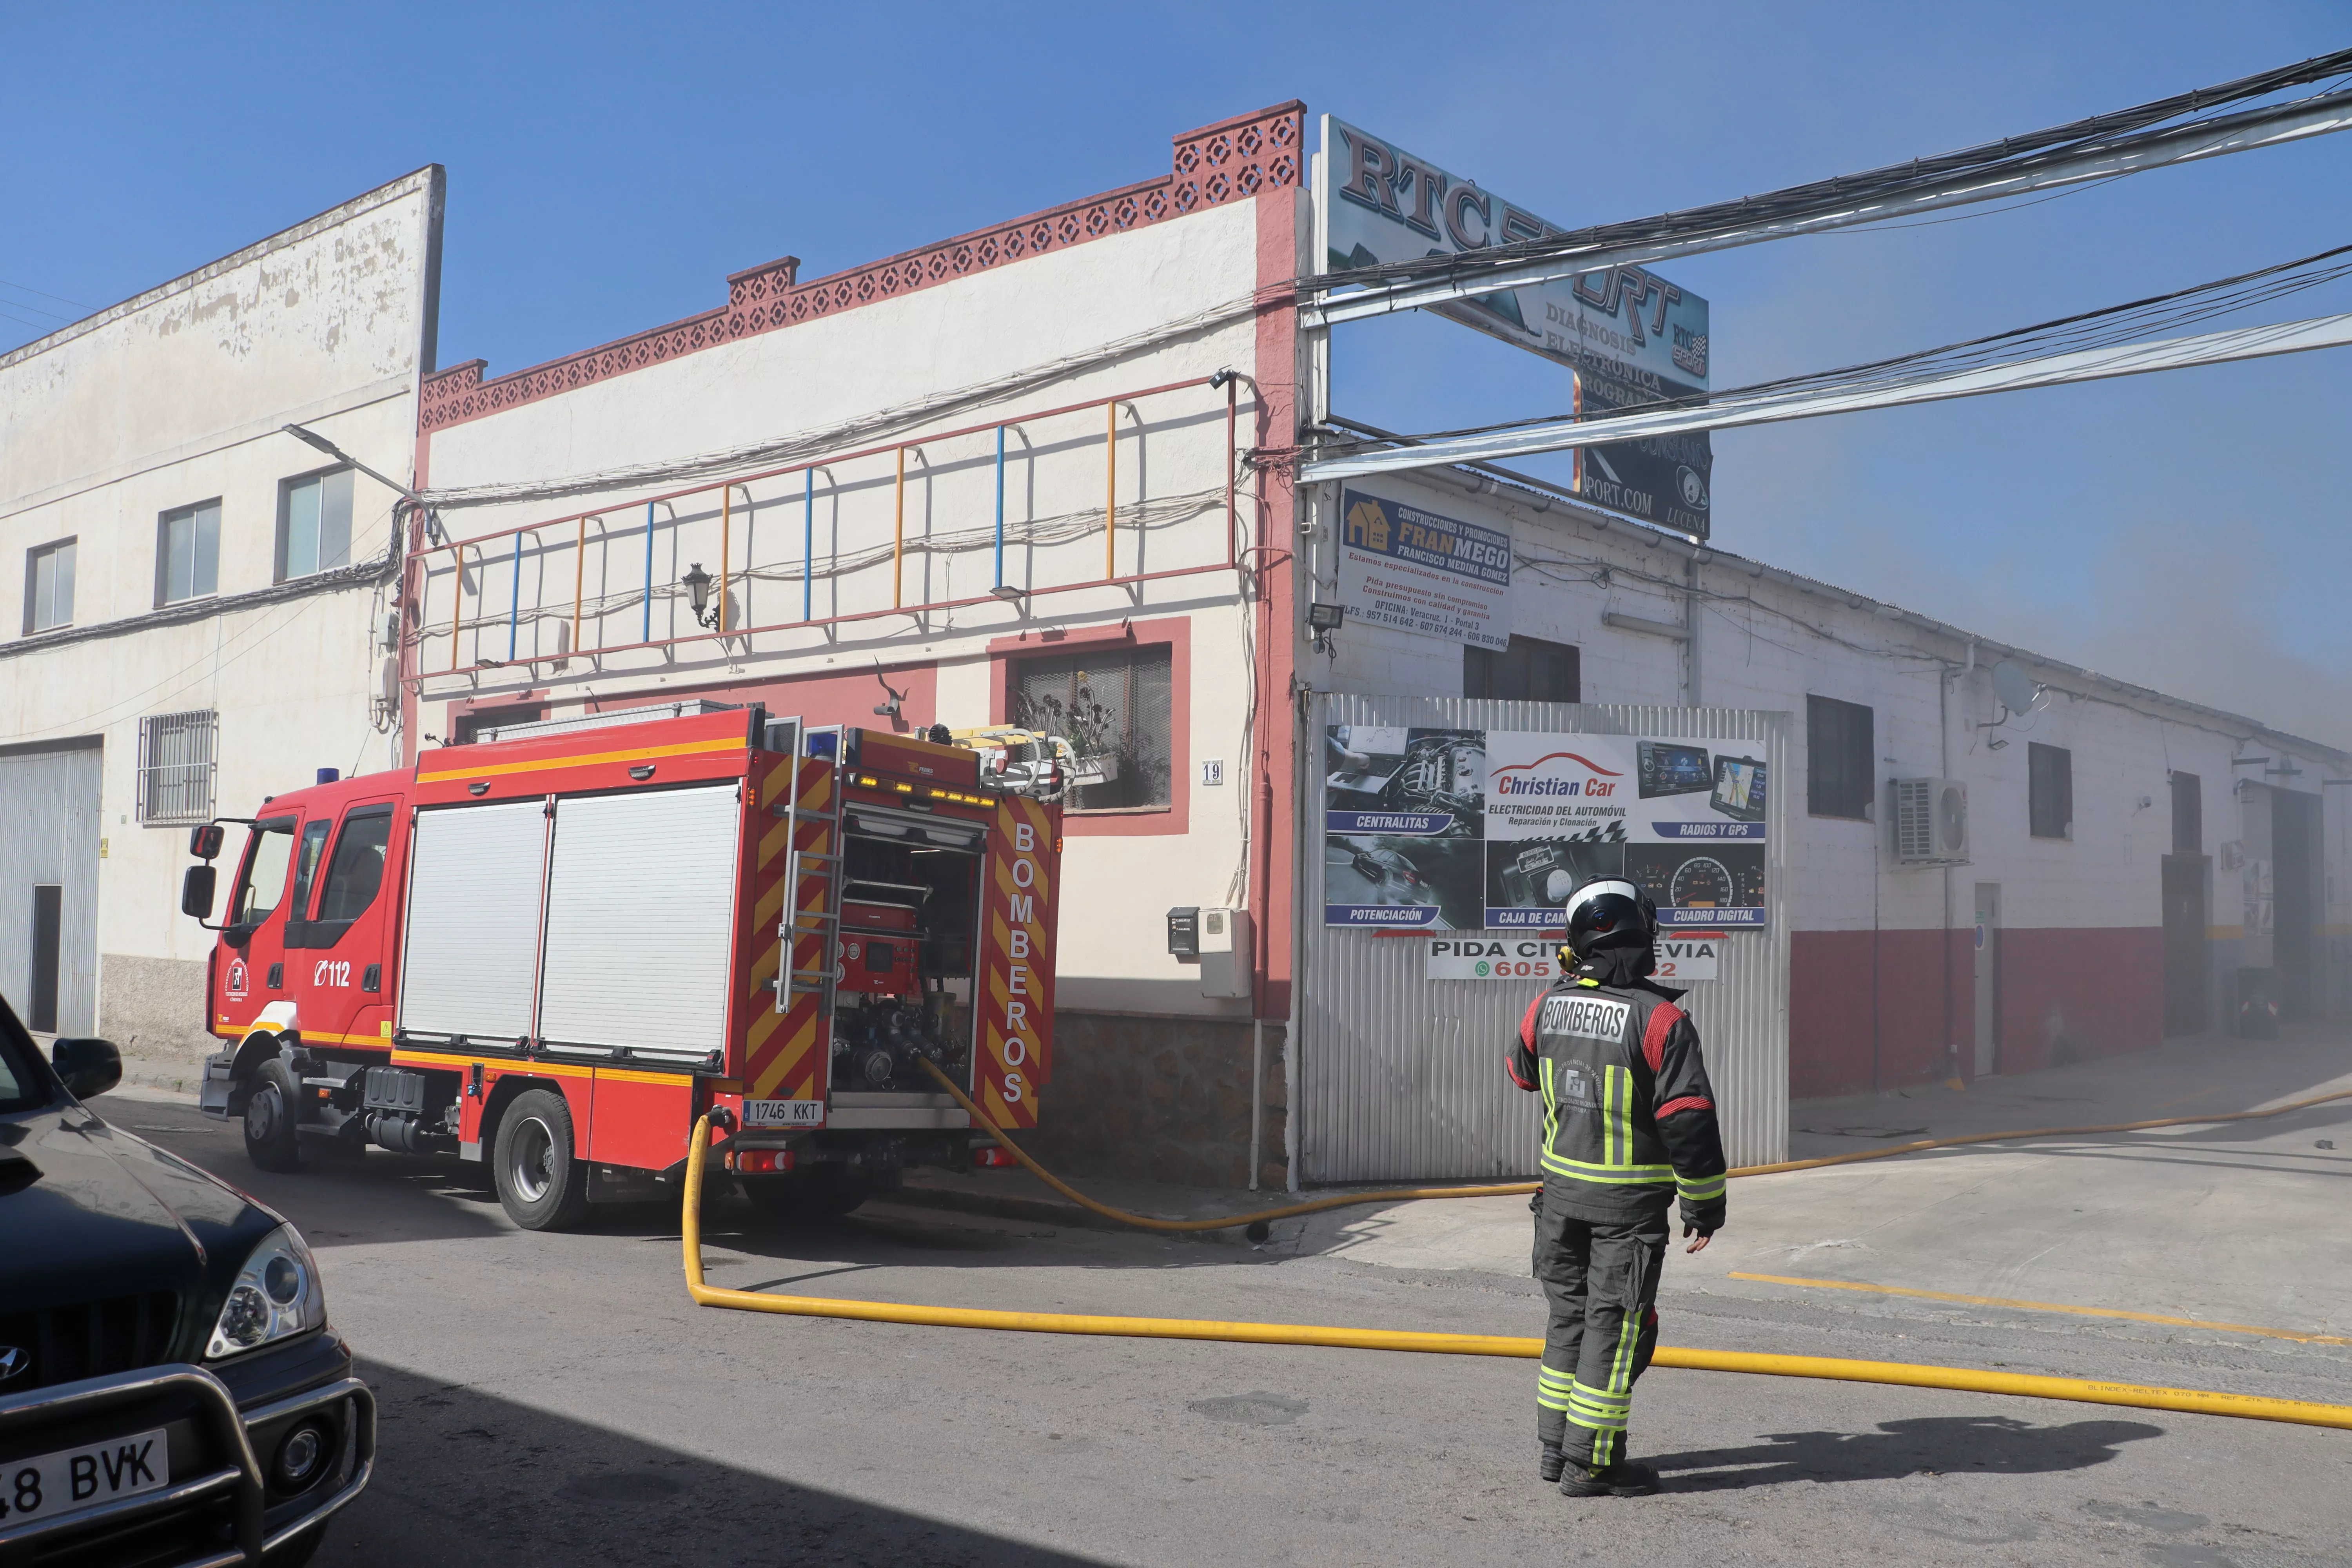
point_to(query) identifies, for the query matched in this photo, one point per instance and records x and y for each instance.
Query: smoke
(2192, 613)
(2180, 532)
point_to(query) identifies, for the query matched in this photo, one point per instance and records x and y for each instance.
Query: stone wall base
(153, 1011)
(1157, 1098)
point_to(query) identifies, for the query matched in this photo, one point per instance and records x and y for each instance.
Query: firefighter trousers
(1602, 1281)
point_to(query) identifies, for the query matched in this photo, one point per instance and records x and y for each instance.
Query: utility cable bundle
(2119, 327)
(2118, 133)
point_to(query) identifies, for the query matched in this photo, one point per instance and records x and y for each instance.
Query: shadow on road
(1994, 1445)
(465, 1477)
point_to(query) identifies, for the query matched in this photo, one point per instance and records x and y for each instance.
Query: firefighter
(1629, 1126)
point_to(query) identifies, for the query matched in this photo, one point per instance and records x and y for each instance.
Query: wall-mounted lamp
(1322, 620)
(698, 588)
(1217, 382)
(1010, 593)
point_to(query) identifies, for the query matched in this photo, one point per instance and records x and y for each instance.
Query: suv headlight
(277, 1293)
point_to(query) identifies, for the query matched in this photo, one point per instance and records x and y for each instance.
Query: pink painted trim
(1047, 639)
(1275, 382)
(1216, 164)
(1152, 822)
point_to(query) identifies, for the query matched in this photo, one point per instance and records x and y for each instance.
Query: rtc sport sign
(1633, 339)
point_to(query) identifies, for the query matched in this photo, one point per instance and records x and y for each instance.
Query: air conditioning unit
(1931, 822)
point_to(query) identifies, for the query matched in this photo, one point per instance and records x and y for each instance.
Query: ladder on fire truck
(824, 922)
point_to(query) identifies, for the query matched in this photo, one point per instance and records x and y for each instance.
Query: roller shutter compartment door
(640, 922)
(473, 921)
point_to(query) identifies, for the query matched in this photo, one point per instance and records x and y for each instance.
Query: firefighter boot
(1552, 1462)
(1622, 1478)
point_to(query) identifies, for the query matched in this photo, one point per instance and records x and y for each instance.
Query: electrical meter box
(1224, 939)
(1184, 933)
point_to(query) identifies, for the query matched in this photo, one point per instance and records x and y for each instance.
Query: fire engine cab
(554, 950)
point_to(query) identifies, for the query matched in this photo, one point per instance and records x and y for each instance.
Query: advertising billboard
(1494, 829)
(1631, 337)
(1414, 571)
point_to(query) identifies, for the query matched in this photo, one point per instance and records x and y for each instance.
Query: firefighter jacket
(1629, 1116)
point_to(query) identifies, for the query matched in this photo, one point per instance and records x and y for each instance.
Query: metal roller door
(641, 923)
(473, 920)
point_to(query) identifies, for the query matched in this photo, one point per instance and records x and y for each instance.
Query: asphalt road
(552, 1397)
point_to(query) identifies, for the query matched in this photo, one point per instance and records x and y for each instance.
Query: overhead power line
(2110, 325)
(2056, 370)
(2107, 146)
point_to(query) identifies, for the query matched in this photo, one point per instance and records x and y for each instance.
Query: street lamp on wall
(698, 588)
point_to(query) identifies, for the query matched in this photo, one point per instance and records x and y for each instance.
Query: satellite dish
(2015, 689)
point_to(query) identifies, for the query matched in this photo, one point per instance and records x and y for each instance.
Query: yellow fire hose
(2196, 1401)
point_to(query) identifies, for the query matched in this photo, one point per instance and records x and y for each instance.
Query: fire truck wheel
(806, 1197)
(270, 1141)
(542, 1183)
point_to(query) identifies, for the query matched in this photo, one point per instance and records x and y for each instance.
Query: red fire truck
(554, 950)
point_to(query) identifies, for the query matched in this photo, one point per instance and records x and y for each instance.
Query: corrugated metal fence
(1400, 1078)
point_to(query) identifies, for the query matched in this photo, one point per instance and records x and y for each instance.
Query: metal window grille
(176, 763)
(1114, 705)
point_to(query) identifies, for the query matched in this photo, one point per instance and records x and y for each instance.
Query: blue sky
(609, 165)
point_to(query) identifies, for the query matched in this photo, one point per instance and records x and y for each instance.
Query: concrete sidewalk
(2191, 1077)
(2231, 1222)
(2185, 1078)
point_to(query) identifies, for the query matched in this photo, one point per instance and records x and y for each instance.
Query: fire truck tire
(806, 1197)
(270, 1139)
(542, 1183)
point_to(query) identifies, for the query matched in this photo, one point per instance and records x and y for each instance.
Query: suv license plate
(51, 1486)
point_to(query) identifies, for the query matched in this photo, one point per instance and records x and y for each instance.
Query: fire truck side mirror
(205, 843)
(196, 890)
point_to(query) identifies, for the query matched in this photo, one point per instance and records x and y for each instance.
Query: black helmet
(1608, 913)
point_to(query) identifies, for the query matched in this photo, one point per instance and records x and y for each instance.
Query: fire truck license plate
(49, 1486)
(783, 1114)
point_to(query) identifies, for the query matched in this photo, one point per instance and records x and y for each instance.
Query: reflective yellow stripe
(1619, 1110)
(1551, 1107)
(619, 1075)
(685, 749)
(1622, 1176)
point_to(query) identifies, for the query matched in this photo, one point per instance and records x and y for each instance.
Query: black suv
(169, 1392)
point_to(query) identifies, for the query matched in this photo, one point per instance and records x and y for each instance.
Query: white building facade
(205, 598)
(1042, 473)
(897, 479)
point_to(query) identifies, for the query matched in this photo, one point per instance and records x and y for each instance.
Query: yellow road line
(2049, 1307)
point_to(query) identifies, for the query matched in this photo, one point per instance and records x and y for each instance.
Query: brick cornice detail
(1213, 166)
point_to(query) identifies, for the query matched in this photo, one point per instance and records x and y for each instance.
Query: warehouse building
(1041, 473)
(206, 598)
(892, 484)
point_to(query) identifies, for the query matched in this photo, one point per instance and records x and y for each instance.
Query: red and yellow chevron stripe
(787, 1054)
(1016, 989)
